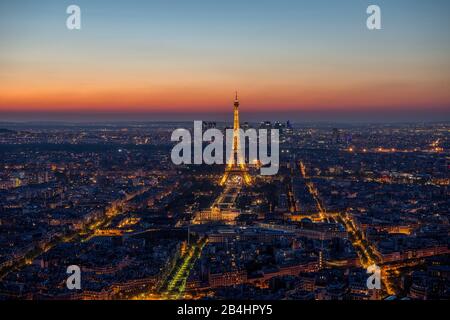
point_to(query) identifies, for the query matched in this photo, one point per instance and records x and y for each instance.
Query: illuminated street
(367, 253)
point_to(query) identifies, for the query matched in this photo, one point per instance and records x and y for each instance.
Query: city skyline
(243, 154)
(307, 60)
(110, 202)
(120, 212)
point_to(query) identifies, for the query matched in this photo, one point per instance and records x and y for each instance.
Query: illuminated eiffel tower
(236, 166)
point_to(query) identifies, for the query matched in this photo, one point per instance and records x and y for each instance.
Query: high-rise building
(336, 136)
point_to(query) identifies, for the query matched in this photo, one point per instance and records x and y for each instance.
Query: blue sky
(301, 55)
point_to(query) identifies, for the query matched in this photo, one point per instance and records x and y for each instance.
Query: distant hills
(4, 131)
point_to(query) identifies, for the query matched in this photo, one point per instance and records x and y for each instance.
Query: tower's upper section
(236, 113)
(236, 101)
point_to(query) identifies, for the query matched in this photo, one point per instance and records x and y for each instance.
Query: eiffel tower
(236, 167)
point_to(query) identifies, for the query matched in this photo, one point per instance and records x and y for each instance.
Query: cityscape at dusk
(113, 130)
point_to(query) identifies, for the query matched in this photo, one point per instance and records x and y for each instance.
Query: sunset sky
(177, 57)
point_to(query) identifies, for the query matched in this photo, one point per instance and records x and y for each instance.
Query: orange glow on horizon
(196, 98)
(116, 86)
